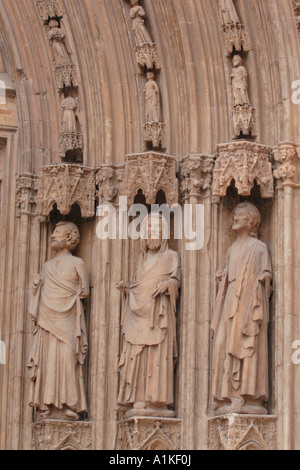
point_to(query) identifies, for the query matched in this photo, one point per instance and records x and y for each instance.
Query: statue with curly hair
(60, 339)
(240, 320)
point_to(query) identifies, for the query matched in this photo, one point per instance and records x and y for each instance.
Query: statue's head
(154, 233)
(133, 3)
(237, 60)
(246, 216)
(65, 235)
(150, 75)
(53, 24)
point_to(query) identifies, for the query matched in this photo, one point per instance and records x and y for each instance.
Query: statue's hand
(37, 280)
(162, 288)
(265, 278)
(123, 287)
(219, 275)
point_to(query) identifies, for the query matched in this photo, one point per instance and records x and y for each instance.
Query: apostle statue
(138, 15)
(228, 12)
(152, 99)
(239, 80)
(149, 348)
(240, 320)
(60, 339)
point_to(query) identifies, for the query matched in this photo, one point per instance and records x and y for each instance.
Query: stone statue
(138, 15)
(60, 339)
(57, 37)
(240, 321)
(69, 108)
(228, 12)
(152, 99)
(149, 326)
(239, 80)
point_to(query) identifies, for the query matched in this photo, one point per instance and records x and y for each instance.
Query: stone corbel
(49, 9)
(196, 175)
(235, 38)
(155, 134)
(150, 172)
(66, 76)
(26, 194)
(286, 157)
(147, 56)
(244, 163)
(66, 185)
(244, 121)
(108, 180)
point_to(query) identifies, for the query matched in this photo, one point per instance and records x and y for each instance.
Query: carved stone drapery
(26, 197)
(61, 435)
(244, 163)
(108, 180)
(286, 158)
(242, 432)
(49, 9)
(196, 175)
(65, 185)
(143, 433)
(150, 172)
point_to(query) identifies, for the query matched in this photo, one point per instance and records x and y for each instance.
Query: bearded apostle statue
(60, 339)
(149, 348)
(240, 321)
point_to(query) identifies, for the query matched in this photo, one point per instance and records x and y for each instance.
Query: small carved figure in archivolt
(138, 15)
(239, 80)
(152, 99)
(70, 109)
(56, 37)
(228, 12)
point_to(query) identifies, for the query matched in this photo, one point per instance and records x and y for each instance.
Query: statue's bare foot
(71, 415)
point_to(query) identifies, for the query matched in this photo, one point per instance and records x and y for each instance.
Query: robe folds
(240, 325)
(60, 341)
(149, 334)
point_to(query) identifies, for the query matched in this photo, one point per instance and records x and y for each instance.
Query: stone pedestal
(54, 434)
(149, 433)
(242, 432)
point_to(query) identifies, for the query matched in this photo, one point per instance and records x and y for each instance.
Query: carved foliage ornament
(65, 185)
(108, 181)
(49, 9)
(150, 172)
(286, 157)
(26, 193)
(244, 163)
(61, 435)
(196, 175)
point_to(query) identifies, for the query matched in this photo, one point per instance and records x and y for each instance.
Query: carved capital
(143, 433)
(286, 158)
(244, 121)
(196, 175)
(108, 180)
(61, 435)
(49, 9)
(147, 56)
(242, 432)
(155, 134)
(26, 194)
(66, 76)
(150, 172)
(244, 163)
(65, 185)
